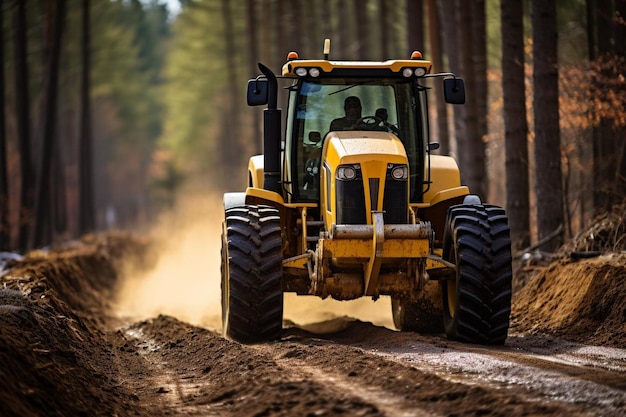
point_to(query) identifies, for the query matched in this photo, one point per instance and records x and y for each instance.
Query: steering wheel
(312, 167)
(368, 123)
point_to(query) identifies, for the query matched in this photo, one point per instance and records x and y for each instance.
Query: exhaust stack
(271, 135)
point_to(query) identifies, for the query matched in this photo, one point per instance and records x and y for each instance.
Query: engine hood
(362, 146)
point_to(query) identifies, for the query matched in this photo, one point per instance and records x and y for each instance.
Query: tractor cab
(356, 135)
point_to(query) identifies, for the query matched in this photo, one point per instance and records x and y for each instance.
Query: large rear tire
(252, 295)
(477, 303)
(501, 275)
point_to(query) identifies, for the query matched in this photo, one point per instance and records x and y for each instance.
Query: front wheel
(252, 296)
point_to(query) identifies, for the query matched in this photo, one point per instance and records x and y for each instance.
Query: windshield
(317, 107)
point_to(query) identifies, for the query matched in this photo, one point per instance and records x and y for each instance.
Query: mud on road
(64, 351)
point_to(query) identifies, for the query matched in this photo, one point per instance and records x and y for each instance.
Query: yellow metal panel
(255, 170)
(328, 66)
(444, 174)
(448, 194)
(356, 144)
(265, 195)
(392, 248)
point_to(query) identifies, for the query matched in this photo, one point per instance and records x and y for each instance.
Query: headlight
(304, 71)
(400, 172)
(420, 72)
(346, 172)
(407, 72)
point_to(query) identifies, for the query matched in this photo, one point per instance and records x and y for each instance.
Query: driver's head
(352, 106)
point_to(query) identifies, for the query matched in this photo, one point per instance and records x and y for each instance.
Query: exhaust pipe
(271, 135)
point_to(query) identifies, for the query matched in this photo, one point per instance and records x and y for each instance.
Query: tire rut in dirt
(213, 375)
(252, 297)
(349, 356)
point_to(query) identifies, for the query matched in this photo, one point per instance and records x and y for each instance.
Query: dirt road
(66, 349)
(365, 370)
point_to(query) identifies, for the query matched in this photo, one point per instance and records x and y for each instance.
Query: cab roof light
(326, 48)
(416, 55)
(292, 55)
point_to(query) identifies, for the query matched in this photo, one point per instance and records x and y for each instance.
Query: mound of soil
(582, 300)
(581, 295)
(55, 359)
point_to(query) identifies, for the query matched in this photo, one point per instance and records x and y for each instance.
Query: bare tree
(253, 59)
(450, 35)
(22, 108)
(385, 29)
(471, 148)
(478, 61)
(4, 177)
(415, 25)
(515, 124)
(85, 160)
(41, 232)
(360, 14)
(606, 30)
(443, 136)
(231, 155)
(548, 180)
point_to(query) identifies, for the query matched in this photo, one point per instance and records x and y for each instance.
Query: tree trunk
(434, 31)
(360, 12)
(231, 153)
(601, 33)
(41, 233)
(85, 157)
(415, 26)
(22, 109)
(253, 59)
(449, 29)
(620, 134)
(471, 149)
(515, 124)
(385, 29)
(5, 235)
(548, 181)
(478, 60)
(341, 46)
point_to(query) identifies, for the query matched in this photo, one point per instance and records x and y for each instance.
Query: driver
(352, 107)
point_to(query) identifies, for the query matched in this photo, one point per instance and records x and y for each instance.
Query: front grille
(395, 201)
(351, 201)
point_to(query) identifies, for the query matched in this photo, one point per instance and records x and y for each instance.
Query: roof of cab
(389, 68)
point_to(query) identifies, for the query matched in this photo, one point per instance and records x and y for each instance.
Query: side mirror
(432, 146)
(454, 90)
(314, 137)
(257, 92)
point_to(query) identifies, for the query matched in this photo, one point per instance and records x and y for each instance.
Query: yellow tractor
(348, 201)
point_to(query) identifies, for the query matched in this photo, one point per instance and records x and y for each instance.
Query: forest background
(112, 107)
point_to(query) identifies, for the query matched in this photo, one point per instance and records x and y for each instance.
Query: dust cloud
(185, 279)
